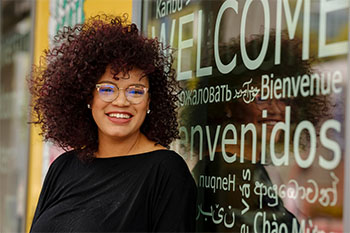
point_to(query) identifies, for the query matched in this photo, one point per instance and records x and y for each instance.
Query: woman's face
(252, 113)
(275, 114)
(123, 116)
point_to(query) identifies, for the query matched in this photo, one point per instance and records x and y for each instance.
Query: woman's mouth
(269, 122)
(119, 115)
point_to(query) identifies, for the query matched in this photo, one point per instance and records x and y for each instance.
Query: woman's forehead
(134, 75)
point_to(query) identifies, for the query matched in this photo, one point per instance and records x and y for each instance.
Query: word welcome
(197, 19)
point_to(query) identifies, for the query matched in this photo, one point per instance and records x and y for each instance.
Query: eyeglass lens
(109, 92)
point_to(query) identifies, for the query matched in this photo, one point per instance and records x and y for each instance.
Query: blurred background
(17, 24)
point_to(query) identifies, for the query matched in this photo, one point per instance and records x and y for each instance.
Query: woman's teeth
(270, 122)
(119, 115)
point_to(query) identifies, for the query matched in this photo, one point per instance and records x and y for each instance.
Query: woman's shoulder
(172, 163)
(168, 157)
(59, 165)
(64, 158)
(162, 155)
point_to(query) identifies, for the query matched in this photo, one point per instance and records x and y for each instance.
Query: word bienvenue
(305, 85)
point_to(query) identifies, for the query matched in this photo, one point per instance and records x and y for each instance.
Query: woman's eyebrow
(107, 82)
(143, 76)
(115, 84)
(136, 84)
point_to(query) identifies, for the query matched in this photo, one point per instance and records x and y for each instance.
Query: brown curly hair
(63, 83)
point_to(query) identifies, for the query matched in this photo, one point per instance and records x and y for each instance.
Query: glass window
(262, 109)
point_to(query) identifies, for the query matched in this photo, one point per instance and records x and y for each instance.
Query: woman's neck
(113, 147)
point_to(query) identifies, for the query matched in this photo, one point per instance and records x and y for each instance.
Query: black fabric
(149, 192)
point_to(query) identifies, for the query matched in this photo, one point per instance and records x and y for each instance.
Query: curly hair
(63, 83)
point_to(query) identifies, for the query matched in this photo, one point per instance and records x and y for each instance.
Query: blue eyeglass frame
(98, 86)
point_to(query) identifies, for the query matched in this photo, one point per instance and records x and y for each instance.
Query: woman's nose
(121, 99)
(276, 106)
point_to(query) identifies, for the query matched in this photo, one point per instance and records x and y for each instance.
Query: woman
(108, 96)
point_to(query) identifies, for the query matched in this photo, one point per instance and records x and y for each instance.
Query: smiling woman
(108, 96)
(120, 114)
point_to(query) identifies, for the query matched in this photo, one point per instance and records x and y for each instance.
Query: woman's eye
(258, 98)
(135, 91)
(106, 90)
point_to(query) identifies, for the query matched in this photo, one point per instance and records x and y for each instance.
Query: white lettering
(221, 67)
(183, 44)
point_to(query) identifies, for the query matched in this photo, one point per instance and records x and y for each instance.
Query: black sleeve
(48, 188)
(44, 194)
(174, 207)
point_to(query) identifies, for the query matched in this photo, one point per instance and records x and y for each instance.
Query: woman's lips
(119, 117)
(269, 122)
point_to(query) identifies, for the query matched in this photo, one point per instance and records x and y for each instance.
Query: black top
(149, 192)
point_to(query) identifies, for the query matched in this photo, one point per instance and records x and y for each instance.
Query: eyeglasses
(108, 92)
